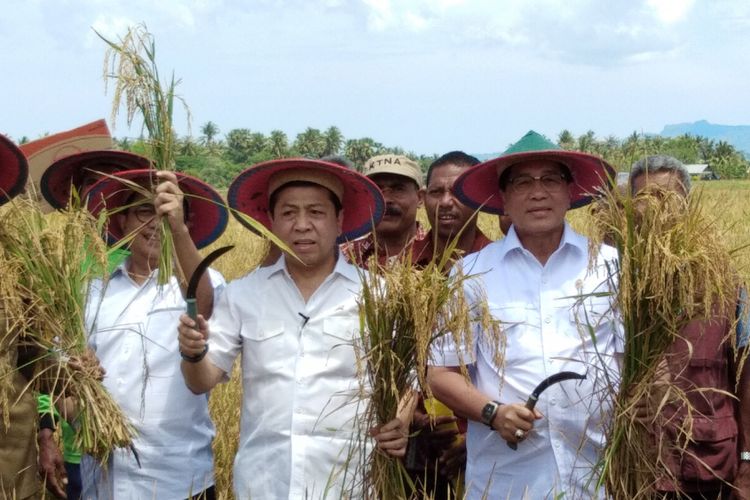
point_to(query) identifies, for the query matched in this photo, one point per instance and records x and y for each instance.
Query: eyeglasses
(144, 213)
(550, 182)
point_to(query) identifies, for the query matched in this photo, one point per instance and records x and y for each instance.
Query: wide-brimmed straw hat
(360, 197)
(69, 171)
(478, 187)
(207, 211)
(14, 170)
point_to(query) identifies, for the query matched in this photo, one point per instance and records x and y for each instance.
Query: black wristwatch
(197, 357)
(489, 411)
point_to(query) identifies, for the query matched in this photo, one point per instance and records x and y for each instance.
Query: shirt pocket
(590, 314)
(520, 335)
(335, 347)
(263, 346)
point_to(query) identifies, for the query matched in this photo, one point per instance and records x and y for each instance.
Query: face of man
(305, 219)
(402, 198)
(536, 209)
(667, 180)
(446, 214)
(140, 219)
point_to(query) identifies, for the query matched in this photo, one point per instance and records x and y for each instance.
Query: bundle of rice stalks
(131, 63)
(403, 311)
(53, 259)
(673, 269)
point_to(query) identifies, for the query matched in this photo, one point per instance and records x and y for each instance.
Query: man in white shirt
(131, 320)
(555, 316)
(295, 323)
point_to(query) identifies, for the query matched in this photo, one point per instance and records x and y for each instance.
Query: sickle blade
(551, 380)
(192, 288)
(543, 385)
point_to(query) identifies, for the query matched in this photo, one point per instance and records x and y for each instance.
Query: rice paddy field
(726, 201)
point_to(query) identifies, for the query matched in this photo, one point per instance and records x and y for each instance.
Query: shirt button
(299, 411)
(548, 320)
(544, 281)
(553, 402)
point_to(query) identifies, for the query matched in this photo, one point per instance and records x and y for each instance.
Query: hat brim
(207, 211)
(478, 187)
(362, 202)
(61, 175)
(14, 170)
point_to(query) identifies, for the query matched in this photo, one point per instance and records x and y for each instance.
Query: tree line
(218, 159)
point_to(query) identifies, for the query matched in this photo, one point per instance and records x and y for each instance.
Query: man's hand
(511, 418)
(392, 437)
(88, 363)
(168, 201)
(453, 459)
(51, 465)
(192, 335)
(647, 407)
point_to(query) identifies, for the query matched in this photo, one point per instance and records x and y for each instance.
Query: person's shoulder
(250, 282)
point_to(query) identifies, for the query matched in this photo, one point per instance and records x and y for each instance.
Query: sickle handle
(530, 405)
(192, 309)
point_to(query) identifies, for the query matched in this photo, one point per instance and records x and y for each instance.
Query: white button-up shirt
(133, 333)
(298, 434)
(552, 322)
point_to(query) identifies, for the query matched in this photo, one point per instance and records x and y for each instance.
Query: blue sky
(427, 75)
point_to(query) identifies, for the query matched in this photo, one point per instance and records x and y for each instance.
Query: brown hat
(394, 164)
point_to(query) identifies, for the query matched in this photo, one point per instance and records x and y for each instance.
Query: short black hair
(453, 158)
(504, 179)
(275, 195)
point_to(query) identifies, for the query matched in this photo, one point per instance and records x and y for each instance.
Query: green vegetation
(217, 159)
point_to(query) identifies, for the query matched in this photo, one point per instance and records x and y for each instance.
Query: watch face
(488, 412)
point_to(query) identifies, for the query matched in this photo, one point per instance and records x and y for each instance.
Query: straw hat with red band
(478, 187)
(207, 212)
(57, 179)
(360, 197)
(14, 170)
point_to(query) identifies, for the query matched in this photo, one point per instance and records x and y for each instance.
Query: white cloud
(671, 11)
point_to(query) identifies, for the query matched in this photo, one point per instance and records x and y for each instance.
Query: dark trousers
(73, 489)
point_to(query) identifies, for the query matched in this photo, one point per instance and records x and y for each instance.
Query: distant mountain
(736, 135)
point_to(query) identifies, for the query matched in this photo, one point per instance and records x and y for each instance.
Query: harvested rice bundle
(131, 63)
(674, 268)
(403, 310)
(54, 259)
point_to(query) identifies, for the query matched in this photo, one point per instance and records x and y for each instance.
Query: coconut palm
(278, 144)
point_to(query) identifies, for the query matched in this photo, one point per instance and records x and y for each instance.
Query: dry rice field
(727, 201)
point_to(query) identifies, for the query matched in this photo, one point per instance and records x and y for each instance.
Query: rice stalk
(131, 63)
(54, 259)
(674, 268)
(403, 311)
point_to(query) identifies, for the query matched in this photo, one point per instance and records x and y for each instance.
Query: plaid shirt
(359, 251)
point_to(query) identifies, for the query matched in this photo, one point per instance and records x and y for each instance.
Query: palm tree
(209, 130)
(278, 144)
(333, 139)
(310, 143)
(566, 140)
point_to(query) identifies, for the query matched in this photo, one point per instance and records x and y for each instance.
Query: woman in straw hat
(295, 323)
(131, 319)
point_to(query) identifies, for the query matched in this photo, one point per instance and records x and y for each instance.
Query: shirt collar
(342, 267)
(569, 238)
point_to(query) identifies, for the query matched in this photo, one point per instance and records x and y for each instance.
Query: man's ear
(420, 195)
(340, 222)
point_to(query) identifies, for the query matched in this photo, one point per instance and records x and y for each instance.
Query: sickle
(192, 307)
(543, 385)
